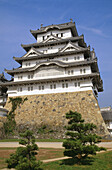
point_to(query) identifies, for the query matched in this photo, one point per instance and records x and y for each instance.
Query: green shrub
(24, 157)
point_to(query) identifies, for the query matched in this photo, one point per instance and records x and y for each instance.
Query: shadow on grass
(72, 161)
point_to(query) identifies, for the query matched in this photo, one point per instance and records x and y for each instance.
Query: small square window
(32, 76)
(68, 72)
(81, 71)
(72, 71)
(28, 76)
(84, 70)
(66, 85)
(50, 86)
(63, 86)
(75, 84)
(28, 88)
(74, 58)
(31, 88)
(20, 89)
(39, 87)
(42, 87)
(61, 34)
(54, 86)
(79, 84)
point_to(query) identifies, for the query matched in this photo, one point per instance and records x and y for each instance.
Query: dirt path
(50, 144)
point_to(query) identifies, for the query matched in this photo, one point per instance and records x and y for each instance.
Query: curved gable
(32, 52)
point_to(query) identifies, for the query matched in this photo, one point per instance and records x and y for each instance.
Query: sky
(93, 18)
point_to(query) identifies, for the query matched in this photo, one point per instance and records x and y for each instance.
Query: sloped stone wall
(49, 110)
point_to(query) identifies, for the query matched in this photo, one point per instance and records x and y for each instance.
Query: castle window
(51, 86)
(41, 87)
(54, 86)
(66, 59)
(66, 85)
(30, 76)
(43, 37)
(20, 77)
(75, 58)
(20, 89)
(69, 72)
(75, 84)
(84, 70)
(57, 35)
(72, 71)
(63, 86)
(30, 88)
(61, 34)
(79, 84)
(81, 71)
(44, 51)
(26, 64)
(78, 58)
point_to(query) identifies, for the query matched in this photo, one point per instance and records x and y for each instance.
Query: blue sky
(92, 18)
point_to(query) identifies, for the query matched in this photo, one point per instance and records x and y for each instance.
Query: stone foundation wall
(49, 110)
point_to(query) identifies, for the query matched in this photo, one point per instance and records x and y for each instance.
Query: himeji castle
(58, 73)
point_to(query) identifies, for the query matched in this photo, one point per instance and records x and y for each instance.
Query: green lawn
(102, 161)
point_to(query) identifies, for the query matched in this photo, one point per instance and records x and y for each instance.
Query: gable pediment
(51, 38)
(32, 52)
(70, 47)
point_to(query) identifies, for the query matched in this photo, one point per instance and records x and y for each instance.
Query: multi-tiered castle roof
(59, 61)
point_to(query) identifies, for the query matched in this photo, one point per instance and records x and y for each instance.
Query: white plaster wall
(70, 58)
(47, 90)
(3, 113)
(66, 34)
(47, 72)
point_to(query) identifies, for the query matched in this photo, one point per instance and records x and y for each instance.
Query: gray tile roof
(78, 38)
(107, 115)
(63, 26)
(57, 62)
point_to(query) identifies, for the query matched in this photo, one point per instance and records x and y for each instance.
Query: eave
(60, 63)
(95, 77)
(52, 55)
(72, 39)
(92, 75)
(69, 25)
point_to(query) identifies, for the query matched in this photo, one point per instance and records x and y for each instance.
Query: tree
(81, 139)
(24, 157)
(10, 123)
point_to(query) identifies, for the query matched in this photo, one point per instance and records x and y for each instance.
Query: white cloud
(94, 30)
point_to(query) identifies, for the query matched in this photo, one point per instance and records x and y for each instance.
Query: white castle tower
(58, 73)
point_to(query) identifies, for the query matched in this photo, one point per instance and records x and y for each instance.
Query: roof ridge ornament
(71, 20)
(41, 25)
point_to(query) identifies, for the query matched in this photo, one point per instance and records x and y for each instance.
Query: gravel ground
(50, 144)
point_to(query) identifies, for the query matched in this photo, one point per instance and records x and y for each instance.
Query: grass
(44, 153)
(102, 161)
